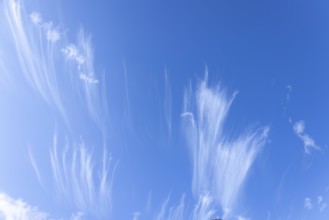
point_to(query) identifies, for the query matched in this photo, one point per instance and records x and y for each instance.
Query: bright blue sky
(164, 110)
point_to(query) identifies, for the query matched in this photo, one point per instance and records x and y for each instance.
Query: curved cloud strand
(58, 70)
(220, 163)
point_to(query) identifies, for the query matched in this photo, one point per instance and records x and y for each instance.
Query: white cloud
(35, 56)
(37, 51)
(88, 78)
(53, 35)
(81, 180)
(220, 163)
(36, 18)
(204, 208)
(309, 143)
(17, 209)
(37, 60)
(172, 213)
(308, 203)
(71, 52)
(320, 203)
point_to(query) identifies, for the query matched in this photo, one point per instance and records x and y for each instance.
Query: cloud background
(125, 110)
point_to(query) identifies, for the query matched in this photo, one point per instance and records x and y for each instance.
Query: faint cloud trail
(167, 103)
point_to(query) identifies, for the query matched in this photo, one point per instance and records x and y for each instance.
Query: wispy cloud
(309, 143)
(35, 52)
(321, 203)
(17, 209)
(62, 73)
(81, 180)
(323, 206)
(40, 49)
(12, 209)
(35, 166)
(77, 216)
(242, 218)
(308, 203)
(173, 212)
(220, 163)
(204, 208)
(167, 103)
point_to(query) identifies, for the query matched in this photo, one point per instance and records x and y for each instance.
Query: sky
(164, 110)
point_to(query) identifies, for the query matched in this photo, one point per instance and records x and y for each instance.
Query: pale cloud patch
(320, 199)
(322, 205)
(136, 215)
(53, 35)
(12, 209)
(319, 203)
(71, 52)
(88, 78)
(242, 218)
(308, 203)
(309, 143)
(77, 216)
(220, 163)
(36, 18)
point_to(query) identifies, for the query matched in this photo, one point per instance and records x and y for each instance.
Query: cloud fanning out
(81, 179)
(61, 72)
(220, 163)
(54, 67)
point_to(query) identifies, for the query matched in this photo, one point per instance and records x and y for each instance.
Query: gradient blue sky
(164, 110)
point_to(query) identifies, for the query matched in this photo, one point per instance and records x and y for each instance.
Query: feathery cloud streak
(220, 163)
(172, 213)
(83, 181)
(54, 67)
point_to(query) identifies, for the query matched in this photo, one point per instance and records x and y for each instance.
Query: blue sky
(164, 110)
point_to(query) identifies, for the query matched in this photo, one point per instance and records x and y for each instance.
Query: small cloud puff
(309, 143)
(308, 203)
